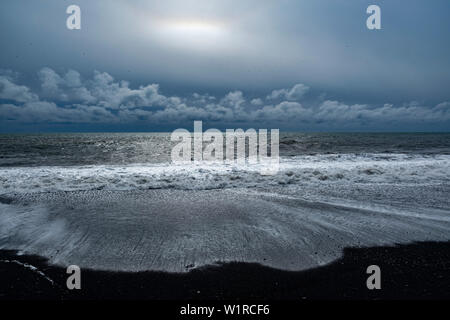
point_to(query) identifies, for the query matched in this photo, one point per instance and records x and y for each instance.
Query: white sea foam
(31, 228)
(342, 168)
(30, 267)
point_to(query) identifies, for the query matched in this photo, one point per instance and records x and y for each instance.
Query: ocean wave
(342, 168)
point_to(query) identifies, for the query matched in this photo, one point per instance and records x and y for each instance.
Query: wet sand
(178, 230)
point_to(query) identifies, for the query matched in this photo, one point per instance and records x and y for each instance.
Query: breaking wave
(342, 168)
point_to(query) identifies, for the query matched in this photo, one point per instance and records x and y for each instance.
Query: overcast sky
(290, 64)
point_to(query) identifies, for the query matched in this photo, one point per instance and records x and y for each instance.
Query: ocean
(114, 201)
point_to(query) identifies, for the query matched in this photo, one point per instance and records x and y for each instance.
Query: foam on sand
(176, 230)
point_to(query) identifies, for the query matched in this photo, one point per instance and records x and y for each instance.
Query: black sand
(415, 271)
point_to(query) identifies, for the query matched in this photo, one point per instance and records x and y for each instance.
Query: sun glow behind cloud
(193, 34)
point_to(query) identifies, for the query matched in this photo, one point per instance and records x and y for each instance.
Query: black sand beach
(414, 271)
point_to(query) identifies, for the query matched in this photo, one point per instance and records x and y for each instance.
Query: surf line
(30, 267)
(191, 148)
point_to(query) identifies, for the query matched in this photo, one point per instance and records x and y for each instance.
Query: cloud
(295, 93)
(11, 91)
(68, 98)
(408, 112)
(101, 90)
(283, 111)
(256, 102)
(50, 80)
(233, 100)
(43, 111)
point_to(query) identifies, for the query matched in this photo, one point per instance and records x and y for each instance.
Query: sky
(295, 65)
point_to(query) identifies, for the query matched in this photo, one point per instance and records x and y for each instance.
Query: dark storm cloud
(313, 62)
(68, 98)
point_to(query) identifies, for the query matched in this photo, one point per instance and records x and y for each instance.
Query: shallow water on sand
(176, 230)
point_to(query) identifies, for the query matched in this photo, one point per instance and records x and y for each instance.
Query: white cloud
(293, 94)
(10, 91)
(233, 99)
(50, 81)
(257, 102)
(70, 99)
